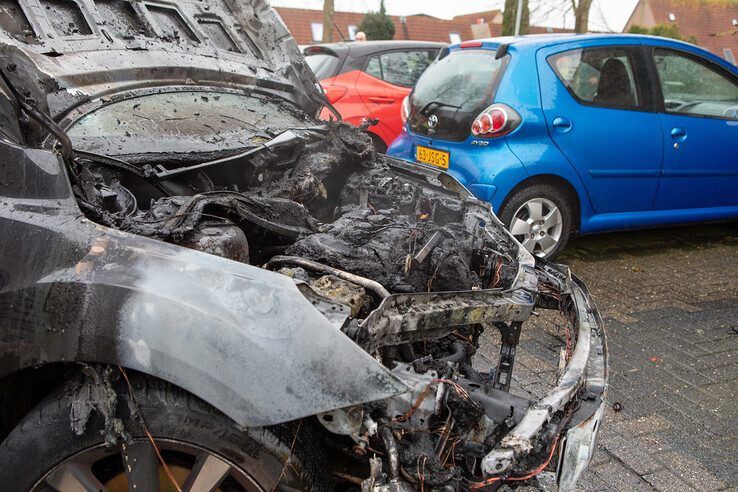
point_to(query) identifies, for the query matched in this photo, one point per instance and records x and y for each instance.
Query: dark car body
(171, 205)
(369, 80)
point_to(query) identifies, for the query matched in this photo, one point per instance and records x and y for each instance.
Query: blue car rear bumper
(487, 168)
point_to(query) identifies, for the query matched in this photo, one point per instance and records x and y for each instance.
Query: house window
(317, 30)
(352, 30)
(454, 37)
(728, 55)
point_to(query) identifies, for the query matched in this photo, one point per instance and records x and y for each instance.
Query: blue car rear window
(456, 89)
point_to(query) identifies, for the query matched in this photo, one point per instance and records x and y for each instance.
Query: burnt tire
(513, 210)
(44, 443)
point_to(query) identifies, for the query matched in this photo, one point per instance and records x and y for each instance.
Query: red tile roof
(709, 21)
(419, 27)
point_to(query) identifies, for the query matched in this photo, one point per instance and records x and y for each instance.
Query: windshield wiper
(109, 161)
(426, 109)
(67, 149)
(285, 139)
(42, 119)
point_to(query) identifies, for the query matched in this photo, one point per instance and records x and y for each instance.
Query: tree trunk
(581, 15)
(327, 21)
(509, 16)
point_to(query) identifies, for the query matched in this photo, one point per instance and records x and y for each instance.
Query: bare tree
(601, 23)
(327, 21)
(510, 14)
(581, 15)
(578, 8)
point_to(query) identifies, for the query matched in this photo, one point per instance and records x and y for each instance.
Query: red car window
(400, 67)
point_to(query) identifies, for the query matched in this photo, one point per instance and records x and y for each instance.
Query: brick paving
(669, 299)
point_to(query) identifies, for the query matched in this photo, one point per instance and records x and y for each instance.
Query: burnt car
(204, 287)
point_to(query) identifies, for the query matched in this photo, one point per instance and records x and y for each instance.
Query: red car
(370, 79)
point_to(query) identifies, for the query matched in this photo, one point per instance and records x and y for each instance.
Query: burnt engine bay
(358, 232)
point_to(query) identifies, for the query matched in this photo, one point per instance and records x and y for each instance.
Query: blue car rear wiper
(439, 104)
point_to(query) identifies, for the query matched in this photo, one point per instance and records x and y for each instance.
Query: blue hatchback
(574, 134)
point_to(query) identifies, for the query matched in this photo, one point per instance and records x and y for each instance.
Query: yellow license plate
(438, 158)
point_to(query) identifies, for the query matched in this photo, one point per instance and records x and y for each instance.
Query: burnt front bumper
(566, 419)
(580, 390)
(578, 444)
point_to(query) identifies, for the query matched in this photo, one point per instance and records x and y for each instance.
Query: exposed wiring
(452, 453)
(567, 332)
(289, 456)
(148, 434)
(527, 476)
(421, 471)
(424, 394)
(497, 276)
(421, 397)
(540, 468)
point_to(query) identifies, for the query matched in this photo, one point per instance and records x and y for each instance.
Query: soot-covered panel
(121, 19)
(15, 23)
(171, 23)
(217, 34)
(66, 17)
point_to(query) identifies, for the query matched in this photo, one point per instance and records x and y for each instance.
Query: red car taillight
(495, 121)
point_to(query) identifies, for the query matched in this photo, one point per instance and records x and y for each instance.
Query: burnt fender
(239, 337)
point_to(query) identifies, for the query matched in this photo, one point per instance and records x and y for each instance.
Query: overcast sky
(605, 14)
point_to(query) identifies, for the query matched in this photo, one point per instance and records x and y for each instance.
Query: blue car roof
(534, 41)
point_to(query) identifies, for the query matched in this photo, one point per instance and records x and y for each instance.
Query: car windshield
(182, 121)
(322, 64)
(458, 86)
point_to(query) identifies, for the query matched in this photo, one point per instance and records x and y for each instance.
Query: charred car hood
(63, 57)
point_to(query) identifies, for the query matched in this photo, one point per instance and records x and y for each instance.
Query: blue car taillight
(405, 109)
(495, 121)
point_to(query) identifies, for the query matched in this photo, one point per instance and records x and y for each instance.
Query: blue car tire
(540, 217)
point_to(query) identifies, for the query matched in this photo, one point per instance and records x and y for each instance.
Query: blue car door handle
(678, 133)
(561, 124)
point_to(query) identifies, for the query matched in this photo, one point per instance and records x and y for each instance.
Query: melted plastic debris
(96, 394)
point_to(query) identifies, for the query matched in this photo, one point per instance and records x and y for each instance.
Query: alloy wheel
(537, 225)
(134, 467)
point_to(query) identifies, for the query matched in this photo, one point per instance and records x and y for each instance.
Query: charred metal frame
(586, 370)
(280, 261)
(510, 337)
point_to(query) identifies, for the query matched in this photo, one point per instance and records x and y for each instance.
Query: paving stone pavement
(669, 299)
